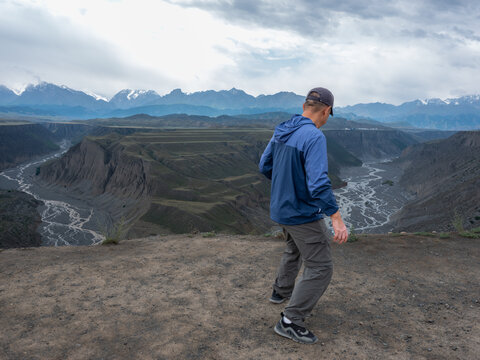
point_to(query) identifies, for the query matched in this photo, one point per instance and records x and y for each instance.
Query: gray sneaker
(276, 298)
(295, 332)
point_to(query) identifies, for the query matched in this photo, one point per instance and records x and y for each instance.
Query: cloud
(311, 19)
(320, 19)
(37, 45)
(390, 51)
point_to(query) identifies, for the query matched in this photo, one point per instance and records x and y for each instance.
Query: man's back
(296, 161)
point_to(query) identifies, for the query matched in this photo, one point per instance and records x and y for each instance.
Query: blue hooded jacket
(295, 160)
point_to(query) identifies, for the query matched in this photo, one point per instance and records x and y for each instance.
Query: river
(371, 197)
(65, 221)
(367, 203)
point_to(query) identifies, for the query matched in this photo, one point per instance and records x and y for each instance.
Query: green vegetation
(278, 234)
(444, 235)
(388, 182)
(469, 234)
(114, 233)
(424, 233)
(458, 222)
(209, 234)
(352, 236)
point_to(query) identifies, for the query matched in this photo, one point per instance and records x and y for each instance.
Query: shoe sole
(290, 336)
(277, 301)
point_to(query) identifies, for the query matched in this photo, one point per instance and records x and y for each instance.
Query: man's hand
(339, 228)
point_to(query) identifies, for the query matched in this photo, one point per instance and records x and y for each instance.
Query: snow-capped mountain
(53, 100)
(46, 94)
(128, 98)
(453, 114)
(7, 96)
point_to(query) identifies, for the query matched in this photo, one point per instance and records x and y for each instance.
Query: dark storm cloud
(309, 18)
(39, 46)
(318, 19)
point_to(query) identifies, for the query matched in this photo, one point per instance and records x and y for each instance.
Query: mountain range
(54, 102)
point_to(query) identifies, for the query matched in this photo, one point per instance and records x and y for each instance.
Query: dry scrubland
(195, 297)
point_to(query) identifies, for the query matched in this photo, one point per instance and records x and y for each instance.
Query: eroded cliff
(371, 144)
(444, 177)
(23, 141)
(19, 220)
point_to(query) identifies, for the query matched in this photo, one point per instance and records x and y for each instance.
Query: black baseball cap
(322, 95)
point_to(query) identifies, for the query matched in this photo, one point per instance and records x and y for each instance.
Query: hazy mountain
(223, 99)
(50, 95)
(7, 96)
(46, 99)
(450, 114)
(128, 98)
(63, 101)
(229, 100)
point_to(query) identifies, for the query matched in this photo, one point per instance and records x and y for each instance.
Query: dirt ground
(190, 297)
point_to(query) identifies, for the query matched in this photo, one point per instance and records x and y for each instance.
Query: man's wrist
(336, 216)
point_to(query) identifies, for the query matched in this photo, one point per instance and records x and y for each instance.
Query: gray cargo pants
(310, 244)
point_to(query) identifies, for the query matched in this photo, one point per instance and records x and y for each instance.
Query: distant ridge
(461, 113)
(61, 102)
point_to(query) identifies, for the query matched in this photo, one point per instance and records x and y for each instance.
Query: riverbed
(65, 220)
(371, 197)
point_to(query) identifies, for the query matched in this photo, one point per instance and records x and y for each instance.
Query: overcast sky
(363, 50)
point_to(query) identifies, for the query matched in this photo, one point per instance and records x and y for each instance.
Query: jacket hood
(284, 130)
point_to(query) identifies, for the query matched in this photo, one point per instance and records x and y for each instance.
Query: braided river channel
(371, 197)
(65, 220)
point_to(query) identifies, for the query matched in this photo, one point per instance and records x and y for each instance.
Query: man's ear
(303, 106)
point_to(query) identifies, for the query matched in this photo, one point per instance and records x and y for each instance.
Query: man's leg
(312, 241)
(289, 266)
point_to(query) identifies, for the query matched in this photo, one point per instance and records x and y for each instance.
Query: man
(295, 160)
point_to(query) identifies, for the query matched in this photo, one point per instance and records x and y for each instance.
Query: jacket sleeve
(266, 161)
(318, 183)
